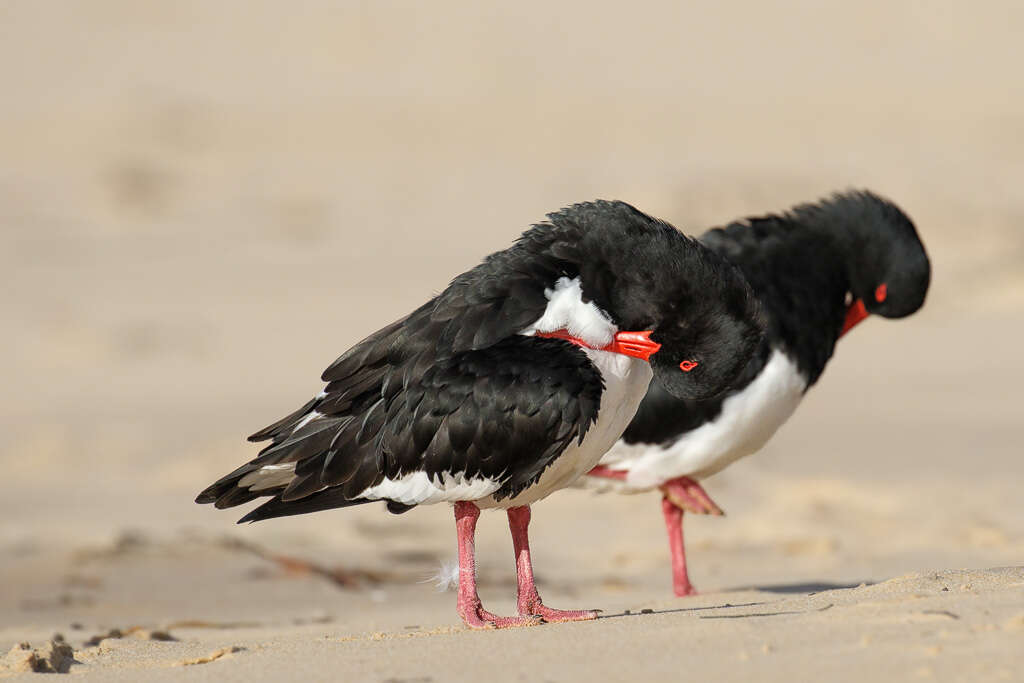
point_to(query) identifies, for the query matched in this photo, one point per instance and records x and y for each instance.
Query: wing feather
(503, 413)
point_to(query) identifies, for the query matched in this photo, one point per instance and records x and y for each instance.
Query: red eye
(881, 292)
(688, 365)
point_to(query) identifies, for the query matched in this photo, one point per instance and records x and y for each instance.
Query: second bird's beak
(854, 314)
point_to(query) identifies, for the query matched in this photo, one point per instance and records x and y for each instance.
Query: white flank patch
(268, 477)
(625, 383)
(566, 311)
(748, 420)
(417, 488)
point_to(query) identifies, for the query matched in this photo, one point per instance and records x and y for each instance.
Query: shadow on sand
(809, 588)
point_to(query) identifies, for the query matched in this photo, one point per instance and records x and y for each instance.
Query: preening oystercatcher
(818, 270)
(510, 384)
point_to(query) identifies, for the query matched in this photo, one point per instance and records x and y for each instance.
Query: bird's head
(887, 267)
(697, 321)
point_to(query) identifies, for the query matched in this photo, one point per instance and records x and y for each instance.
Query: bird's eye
(881, 292)
(848, 299)
(688, 365)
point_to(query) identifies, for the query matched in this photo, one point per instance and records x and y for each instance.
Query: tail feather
(226, 485)
(289, 420)
(323, 500)
(236, 495)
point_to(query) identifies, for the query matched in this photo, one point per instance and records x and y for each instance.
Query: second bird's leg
(529, 599)
(468, 603)
(683, 494)
(674, 526)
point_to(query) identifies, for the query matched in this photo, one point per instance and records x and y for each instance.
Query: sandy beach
(203, 205)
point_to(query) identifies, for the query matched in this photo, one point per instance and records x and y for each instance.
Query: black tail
(323, 500)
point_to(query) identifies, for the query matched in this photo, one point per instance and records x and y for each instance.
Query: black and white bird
(510, 384)
(818, 270)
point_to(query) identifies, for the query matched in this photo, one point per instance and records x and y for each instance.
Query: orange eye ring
(688, 365)
(881, 292)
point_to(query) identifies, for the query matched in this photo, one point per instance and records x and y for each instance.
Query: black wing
(502, 413)
(494, 301)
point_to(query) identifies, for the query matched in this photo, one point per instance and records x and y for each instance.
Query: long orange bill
(635, 344)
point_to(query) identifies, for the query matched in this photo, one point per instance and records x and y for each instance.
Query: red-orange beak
(635, 344)
(854, 314)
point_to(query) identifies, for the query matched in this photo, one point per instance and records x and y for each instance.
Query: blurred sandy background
(203, 204)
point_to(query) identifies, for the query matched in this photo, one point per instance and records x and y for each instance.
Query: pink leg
(468, 605)
(529, 598)
(674, 525)
(688, 495)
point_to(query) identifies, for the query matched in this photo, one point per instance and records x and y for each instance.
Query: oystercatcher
(510, 384)
(818, 270)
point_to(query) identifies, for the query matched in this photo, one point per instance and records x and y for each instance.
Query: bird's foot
(476, 617)
(549, 614)
(688, 495)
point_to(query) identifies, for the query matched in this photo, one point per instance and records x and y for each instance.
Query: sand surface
(203, 204)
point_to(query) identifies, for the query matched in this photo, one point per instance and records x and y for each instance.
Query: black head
(887, 267)
(646, 275)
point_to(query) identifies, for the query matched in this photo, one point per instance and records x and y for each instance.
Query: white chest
(748, 419)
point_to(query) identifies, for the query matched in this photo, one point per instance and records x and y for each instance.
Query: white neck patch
(567, 311)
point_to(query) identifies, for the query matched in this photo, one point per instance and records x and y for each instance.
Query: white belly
(748, 419)
(625, 382)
